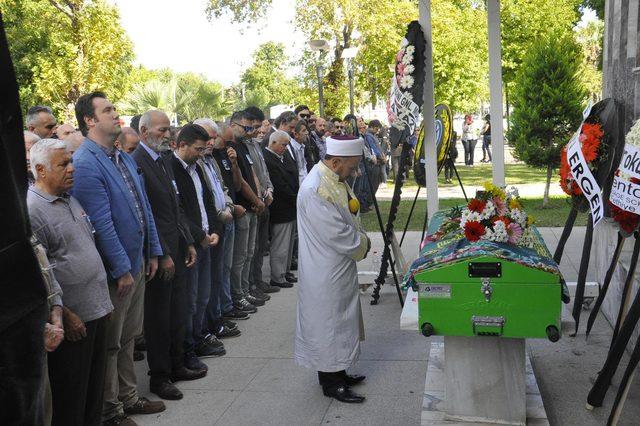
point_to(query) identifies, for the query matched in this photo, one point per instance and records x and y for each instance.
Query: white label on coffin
(625, 195)
(585, 180)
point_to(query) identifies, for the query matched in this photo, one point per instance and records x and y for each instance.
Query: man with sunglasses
(246, 226)
(303, 112)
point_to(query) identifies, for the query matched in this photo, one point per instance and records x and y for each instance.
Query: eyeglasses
(305, 116)
(246, 128)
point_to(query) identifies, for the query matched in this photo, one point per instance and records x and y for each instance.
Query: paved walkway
(258, 383)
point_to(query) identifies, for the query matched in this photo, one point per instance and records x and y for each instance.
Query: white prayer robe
(329, 323)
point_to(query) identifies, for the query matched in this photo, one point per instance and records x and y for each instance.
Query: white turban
(345, 146)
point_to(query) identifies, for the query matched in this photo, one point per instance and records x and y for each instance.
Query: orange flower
(592, 135)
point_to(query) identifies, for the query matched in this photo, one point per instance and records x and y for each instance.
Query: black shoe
(119, 420)
(226, 332)
(192, 362)
(343, 394)
(166, 390)
(266, 287)
(185, 373)
(138, 355)
(281, 285)
(235, 315)
(229, 324)
(353, 380)
(290, 277)
(205, 350)
(254, 300)
(243, 305)
(259, 294)
(213, 341)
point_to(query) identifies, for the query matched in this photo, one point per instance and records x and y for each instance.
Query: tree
(547, 102)
(186, 96)
(265, 81)
(63, 49)
(589, 37)
(523, 22)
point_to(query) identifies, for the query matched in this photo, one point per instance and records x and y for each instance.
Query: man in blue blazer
(108, 186)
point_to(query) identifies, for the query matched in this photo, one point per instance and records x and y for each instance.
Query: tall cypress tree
(547, 102)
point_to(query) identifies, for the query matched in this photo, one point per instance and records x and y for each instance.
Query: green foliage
(590, 38)
(460, 49)
(547, 101)
(239, 11)
(65, 49)
(523, 22)
(187, 95)
(265, 81)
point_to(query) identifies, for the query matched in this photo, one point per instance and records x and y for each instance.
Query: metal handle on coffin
(487, 326)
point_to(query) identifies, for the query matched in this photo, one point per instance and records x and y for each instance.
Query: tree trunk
(545, 199)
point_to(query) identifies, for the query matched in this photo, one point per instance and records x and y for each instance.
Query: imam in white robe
(329, 323)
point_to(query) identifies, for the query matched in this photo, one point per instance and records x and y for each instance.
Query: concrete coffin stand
(484, 380)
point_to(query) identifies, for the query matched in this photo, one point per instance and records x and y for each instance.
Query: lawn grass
(515, 174)
(554, 215)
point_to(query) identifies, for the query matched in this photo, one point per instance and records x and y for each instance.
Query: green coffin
(486, 288)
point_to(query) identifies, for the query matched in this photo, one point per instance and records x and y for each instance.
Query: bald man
(64, 130)
(128, 140)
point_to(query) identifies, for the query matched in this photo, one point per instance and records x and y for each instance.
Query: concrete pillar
(495, 91)
(428, 111)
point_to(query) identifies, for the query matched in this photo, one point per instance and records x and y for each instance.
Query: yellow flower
(494, 190)
(515, 204)
(530, 220)
(354, 205)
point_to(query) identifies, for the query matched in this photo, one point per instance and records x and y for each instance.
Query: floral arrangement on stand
(593, 146)
(627, 221)
(404, 78)
(404, 66)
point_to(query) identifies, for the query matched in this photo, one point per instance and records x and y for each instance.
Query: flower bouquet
(625, 217)
(498, 216)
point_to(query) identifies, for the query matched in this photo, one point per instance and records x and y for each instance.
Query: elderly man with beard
(165, 296)
(109, 188)
(329, 324)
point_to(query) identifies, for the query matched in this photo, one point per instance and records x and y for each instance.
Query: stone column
(621, 80)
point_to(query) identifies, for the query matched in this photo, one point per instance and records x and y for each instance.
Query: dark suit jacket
(173, 230)
(189, 200)
(285, 189)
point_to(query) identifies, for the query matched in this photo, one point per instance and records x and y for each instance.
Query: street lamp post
(348, 54)
(319, 70)
(319, 46)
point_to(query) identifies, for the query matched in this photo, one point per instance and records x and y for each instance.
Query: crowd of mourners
(153, 238)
